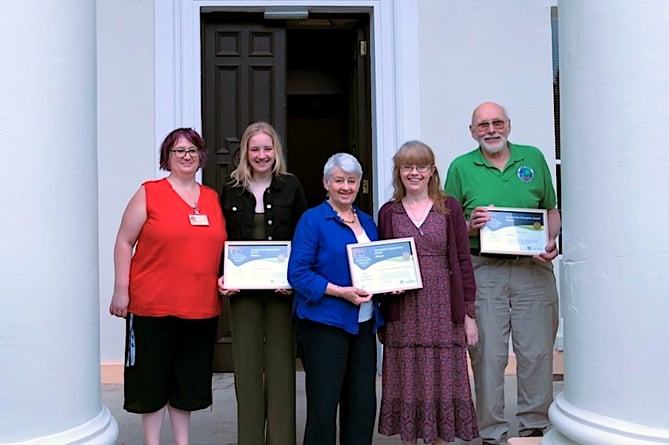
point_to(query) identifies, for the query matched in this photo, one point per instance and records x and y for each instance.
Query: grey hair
(346, 161)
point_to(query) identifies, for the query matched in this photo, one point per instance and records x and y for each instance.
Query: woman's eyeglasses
(182, 152)
(406, 168)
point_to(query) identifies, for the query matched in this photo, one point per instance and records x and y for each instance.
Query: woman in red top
(167, 289)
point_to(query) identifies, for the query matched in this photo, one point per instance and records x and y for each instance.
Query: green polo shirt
(525, 182)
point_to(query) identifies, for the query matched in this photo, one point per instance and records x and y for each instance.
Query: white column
(49, 320)
(615, 160)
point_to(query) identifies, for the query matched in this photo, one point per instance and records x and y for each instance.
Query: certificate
(384, 266)
(256, 264)
(515, 231)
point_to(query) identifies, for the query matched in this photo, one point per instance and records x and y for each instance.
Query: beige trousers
(517, 297)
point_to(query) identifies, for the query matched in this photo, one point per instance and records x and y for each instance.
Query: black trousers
(340, 372)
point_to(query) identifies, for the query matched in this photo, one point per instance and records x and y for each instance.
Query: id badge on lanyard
(198, 219)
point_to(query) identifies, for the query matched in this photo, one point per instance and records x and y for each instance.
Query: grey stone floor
(217, 425)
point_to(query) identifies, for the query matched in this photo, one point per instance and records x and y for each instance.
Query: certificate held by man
(384, 266)
(515, 231)
(256, 264)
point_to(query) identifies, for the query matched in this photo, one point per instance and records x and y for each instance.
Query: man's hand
(550, 254)
(478, 218)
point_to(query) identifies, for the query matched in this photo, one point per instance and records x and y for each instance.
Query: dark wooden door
(243, 78)
(308, 78)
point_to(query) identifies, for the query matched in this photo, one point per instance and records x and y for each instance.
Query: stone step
(524, 441)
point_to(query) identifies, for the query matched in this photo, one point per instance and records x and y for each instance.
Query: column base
(573, 426)
(101, 430)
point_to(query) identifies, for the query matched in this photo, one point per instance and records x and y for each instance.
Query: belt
(499, 256)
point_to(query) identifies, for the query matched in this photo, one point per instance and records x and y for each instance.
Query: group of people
(169, 281)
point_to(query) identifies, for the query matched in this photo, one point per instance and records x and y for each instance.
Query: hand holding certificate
(256, 264)
(515, 231)
(384, 266)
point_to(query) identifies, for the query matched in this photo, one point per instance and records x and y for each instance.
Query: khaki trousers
(517, 297)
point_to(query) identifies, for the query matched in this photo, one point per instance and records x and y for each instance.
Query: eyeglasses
(407, 168)
(181, 152)
(497, 124)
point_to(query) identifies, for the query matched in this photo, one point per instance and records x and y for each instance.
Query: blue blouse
(318, 257)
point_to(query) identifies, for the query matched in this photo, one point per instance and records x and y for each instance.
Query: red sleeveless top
(175, 264)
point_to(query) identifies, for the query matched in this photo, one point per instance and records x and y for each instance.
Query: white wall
(474, 51)
(126, 145)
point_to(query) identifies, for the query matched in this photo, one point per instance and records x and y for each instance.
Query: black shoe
(532, 432)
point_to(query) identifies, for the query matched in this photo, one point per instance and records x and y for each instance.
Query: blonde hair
(418, 153)
(242, 174)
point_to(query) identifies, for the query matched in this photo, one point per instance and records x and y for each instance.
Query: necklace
(418, 217)
(347, 221)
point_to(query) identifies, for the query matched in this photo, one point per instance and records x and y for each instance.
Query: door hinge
(363, 47)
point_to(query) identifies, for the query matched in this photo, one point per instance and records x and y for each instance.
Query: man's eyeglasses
(497, 124)
(407, 168)
(181, 152)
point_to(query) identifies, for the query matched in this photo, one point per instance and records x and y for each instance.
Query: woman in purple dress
(426, 391)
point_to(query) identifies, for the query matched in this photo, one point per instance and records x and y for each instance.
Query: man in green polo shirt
(515, 294)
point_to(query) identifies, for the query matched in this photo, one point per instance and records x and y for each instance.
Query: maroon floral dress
(426, 392)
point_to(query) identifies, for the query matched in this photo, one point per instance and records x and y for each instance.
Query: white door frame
(395, 70)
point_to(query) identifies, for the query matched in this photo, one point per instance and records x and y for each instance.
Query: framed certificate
(515, 231)
(256, 264)
(384, 266)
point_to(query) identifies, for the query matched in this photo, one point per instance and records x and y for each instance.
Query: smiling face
(261, 154)
(342, 188)
(189, 163)
(490, 127)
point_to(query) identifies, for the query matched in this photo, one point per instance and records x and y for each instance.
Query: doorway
(309, 78)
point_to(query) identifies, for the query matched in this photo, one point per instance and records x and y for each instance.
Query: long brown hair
(418, 153)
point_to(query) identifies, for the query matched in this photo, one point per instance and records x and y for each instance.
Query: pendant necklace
(418, 222)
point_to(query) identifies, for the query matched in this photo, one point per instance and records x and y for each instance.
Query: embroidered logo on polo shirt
(525, 173)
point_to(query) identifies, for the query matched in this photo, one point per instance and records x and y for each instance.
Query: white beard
(493, 149)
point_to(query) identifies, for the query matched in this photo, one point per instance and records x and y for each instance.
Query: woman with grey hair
(336, 322)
